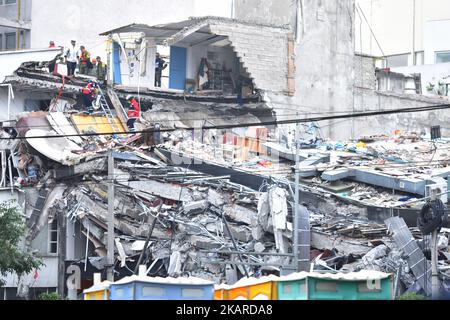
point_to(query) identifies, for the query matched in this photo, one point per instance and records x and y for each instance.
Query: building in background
(415, 43)
(333, 76)
(397, 29)
(32, 24)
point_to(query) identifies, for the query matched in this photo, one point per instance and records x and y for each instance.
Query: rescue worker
(93, 70)
(101, 70)
(89, 91)
(52, 64)
(160, 65)
(133, 113)
(71, 56)
(85, 61)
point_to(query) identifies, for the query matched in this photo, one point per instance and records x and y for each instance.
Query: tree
(412, 296)
(12, 229)
(50, 296)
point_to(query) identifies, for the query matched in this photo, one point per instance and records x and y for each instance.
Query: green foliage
(412, 296)
(430, 87)
(49, 296)
(12, 258)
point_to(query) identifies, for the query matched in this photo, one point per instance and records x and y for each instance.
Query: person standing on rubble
(101, 71)
(93, 70)
(89, 91)
(160, 65)
(85, 61)
(71, 58)
(133, 113)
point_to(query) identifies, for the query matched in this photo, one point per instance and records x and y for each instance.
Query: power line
(84, 124)
(370, 28)
(251, 124)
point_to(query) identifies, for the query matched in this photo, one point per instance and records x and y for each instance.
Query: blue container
(147, 288)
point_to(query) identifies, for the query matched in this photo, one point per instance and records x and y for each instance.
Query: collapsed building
(217, 203)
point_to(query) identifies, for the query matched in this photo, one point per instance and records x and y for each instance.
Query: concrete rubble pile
(206, 224)
(201, 222)
(188, 207)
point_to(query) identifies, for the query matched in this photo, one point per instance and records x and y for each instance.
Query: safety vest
(89, 89)
(85, 57)
(133, 110)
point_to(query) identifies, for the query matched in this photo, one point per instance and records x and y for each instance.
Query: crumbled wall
(365, 72)
(262, 51)
(387, 124)
(324, 55)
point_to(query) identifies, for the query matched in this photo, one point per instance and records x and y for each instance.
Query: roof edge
(240, 21)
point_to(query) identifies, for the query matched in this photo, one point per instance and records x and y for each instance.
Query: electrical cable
(251, 124)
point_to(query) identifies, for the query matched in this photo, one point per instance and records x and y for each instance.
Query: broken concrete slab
(240, 233)
(161, 189)
(94, 166)
(195, 207)
(239, 213)
(215, 198)
(323, 241)
(201, 242)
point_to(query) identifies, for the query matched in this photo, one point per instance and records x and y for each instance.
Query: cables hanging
(252, 124)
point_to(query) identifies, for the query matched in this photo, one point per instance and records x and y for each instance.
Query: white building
(413, 37)
(31, 24)
(396, 29)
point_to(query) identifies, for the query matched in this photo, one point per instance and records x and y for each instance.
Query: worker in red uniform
(89, 92)
(133, 112)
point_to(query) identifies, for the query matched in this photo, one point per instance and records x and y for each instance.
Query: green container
(364, 285)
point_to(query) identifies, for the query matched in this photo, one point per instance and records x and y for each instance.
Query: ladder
(107, 111)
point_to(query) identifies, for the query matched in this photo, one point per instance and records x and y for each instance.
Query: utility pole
(297, 195)
(62, 237)
(110, 248)
(434, 266)
(414, 62)
(434, 257)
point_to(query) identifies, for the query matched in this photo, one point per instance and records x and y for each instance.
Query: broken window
(10, 41)
(326, 286)
(153, 292)
(53, 237)
(443, 57)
